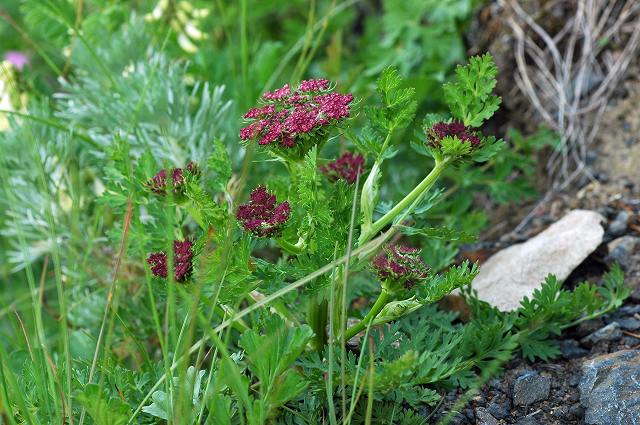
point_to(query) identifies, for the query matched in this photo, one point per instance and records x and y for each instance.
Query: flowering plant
(294, 125)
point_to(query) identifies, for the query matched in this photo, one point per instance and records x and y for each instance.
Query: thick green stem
(317, 318)
(371, 315)
(295, 249)
(406, 202)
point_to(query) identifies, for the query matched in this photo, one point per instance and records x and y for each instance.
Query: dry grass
(569, 74)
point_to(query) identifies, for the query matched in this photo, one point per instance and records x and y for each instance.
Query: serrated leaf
(219, 165)
(469, 96)
(443, 284)
(399, 104)
(271, 354)
(490, 147)
(102, 410)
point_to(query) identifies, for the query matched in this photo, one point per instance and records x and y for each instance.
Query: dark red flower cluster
(174, 179)
(440, 130)
(313, 85)
(347, 167)
(262, 216)
(288, 115)
(401, 265)
(182, 261)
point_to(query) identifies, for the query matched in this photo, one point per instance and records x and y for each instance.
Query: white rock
(515, 272)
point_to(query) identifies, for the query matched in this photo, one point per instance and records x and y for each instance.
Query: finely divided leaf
(469, 96)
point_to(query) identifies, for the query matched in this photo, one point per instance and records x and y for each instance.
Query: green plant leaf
(469, 96)
(102, 410)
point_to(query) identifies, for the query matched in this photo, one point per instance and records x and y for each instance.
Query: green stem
(238, 325)
(371, 315)
(411, 197)
(295, 249)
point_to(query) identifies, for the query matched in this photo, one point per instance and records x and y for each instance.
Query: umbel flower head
(440, 130)
(288, 118)
(400, 266)
(262, 216)
(182, 261)
(346, 167)
(173, 180)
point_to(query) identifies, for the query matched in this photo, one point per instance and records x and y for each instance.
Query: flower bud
(438, 131)
(400, 267)
(262, 216)
(182, 261)
(347, 167)
(173, 180)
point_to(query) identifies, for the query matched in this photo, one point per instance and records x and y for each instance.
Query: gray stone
(529, 388)
(574, 380)
(611, 332)
(616, 228)
(577, 411)
(629, 310)
(570, 349)
(499, 410)
(517, 271)
(497, 384)
(484, 418)
(528, 420)
(610, 389)
(469, 414)
(623, 216)
(621, 251)
(560, 412)
(629, 323)
(589, 326)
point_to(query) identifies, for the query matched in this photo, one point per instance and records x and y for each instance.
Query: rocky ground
(597, 378)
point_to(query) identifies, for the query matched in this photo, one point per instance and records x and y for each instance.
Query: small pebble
(529, 388)
(497, 385)
(611, 332)
(617, 228)
(589, 326)
(629, 323)
(527, 420)
(561, 412)
(570, 349)
(485, 418)
(577, 411)
(498, 410)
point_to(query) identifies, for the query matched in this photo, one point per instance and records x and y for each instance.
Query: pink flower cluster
(262, 216)
(289, 115)
(182, 261)
(440, 130)
(402, 265)
(346, 167)
(173, 179)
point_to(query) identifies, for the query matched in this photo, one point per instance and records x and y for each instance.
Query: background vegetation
(112, 92)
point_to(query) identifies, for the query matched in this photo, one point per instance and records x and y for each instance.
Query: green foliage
(102, 411)
(469, 96)
(219, 165)
(270, 356)
(163, 405)
(398, 103)
(90, 332)
(552, 309)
